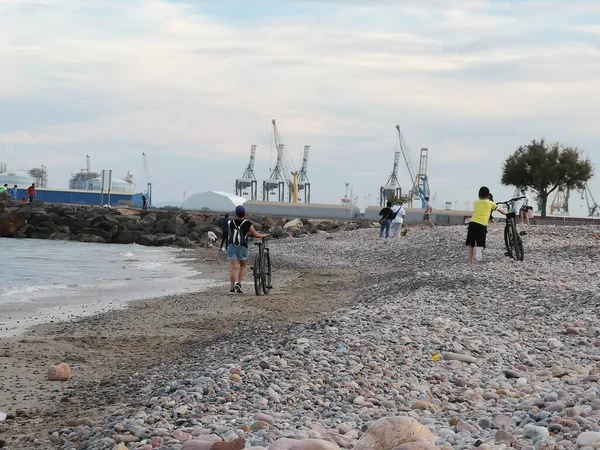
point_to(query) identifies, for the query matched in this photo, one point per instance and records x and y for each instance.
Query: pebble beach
(504, 355)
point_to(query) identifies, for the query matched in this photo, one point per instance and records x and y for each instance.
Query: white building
(215, 201)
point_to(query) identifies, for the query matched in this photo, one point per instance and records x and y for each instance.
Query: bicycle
(262, 269)
(512, 238)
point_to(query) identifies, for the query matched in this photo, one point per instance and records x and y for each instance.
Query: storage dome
(18, 177)
(215, 201)
(118, 184)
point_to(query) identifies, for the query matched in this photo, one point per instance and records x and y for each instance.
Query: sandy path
(107, 352)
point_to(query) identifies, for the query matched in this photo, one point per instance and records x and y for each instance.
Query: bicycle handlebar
(510, 201)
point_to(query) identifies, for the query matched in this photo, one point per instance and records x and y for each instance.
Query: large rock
(106, 222)
(146, 240)
(420, 444)
(60, 372)
(126, 237)
(10, 223)
(89, 238)
(105, 235)
(303, 444)
(390, 432)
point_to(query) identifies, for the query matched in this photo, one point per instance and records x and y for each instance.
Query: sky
(194, 84)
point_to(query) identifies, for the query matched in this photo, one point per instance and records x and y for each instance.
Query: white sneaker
(478, 253)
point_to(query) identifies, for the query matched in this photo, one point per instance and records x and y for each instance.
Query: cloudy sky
(195, 83)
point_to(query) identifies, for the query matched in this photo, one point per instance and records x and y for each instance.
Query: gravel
(506, 354)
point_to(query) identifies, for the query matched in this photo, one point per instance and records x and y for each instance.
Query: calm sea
(43, 280)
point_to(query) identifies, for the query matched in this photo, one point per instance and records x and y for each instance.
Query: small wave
(148, 265)
(127, 254)
(20, 290)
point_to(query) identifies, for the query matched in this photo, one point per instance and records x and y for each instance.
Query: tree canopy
(544, 167)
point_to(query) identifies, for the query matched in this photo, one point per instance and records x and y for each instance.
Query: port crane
(248, 179)
(560, 203)
(303, 183)
(420, 181)
(147, 175)
(392, 187)
(592, 206)
(280, 175)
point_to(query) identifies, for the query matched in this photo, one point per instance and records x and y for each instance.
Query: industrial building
(309, 211)
(85, 187)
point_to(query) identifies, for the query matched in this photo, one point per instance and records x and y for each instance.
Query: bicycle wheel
(509, 240)
(257, 273)
(266, 271)
(518, 243)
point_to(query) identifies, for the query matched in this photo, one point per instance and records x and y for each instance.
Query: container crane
(248, 179)
(420, 181)
(303, 183)
(560, 204)
(592, 206)
(392, 187)
(147, 175)
(279, 178)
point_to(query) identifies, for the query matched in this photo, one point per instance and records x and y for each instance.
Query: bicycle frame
(512, 239)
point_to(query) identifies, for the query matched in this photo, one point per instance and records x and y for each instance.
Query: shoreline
(51, 304)
(108, 348)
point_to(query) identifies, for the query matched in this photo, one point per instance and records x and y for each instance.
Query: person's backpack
(237, 238)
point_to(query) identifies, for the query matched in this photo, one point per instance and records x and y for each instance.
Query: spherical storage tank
(216, 201)
(18, 177)
(118, 185)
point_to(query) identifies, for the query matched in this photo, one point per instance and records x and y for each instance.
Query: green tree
(544, 167)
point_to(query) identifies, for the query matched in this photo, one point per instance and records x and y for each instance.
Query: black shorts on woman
(476, 235)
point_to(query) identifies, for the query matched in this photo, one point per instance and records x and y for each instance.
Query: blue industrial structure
(76, 197)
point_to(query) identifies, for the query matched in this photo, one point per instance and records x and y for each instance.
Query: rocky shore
(127, 226)
(425, 354)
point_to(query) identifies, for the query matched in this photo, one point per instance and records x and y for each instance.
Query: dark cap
(240, 211)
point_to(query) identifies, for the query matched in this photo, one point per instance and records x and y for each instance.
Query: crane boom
(303, 175)
(420, 182)
(252, 158)
(407, 157)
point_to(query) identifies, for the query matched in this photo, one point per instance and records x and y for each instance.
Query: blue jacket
(225, 225)
(13, 192)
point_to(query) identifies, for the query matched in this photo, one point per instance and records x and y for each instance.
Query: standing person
(398, 219)
(386, 220)
(427, 213)
(525, 207)
(3, 189)
(491, 199)
(225, 231)
(144, 203)
(31, 193)
(477, 229)
(237, 248)
(14, 192)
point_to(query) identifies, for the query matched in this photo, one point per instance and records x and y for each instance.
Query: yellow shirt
(482, 209)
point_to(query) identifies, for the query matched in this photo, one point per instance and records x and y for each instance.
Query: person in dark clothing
(144, 202)
(237, 248)
(225, 231)
(387, 215)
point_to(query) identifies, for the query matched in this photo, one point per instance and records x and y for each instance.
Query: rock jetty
(127, 226)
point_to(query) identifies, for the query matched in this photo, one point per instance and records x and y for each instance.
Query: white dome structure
(18, 177)
(117, 184)
(215, 201)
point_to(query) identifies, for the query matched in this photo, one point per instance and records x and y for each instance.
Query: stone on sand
(60, 372)
(390, 432)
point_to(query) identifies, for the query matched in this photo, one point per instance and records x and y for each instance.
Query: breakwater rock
(127, 226)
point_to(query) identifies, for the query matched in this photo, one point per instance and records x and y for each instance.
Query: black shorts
(476, 235)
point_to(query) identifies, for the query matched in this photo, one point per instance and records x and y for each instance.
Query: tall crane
(303, 183)
(392, 187)
(560, 204)
(147, 175)
(420, 181)
(248, 179)
(279, 177)
(592, 206)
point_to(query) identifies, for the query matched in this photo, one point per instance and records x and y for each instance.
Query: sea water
(44, 280)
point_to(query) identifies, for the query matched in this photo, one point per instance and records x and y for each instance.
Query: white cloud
(190, 85)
